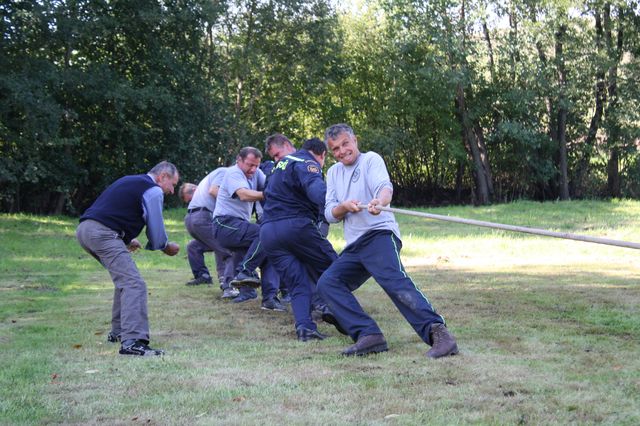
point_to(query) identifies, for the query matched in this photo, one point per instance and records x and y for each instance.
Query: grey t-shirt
(228, 203)
(202, 198)
(360, 181)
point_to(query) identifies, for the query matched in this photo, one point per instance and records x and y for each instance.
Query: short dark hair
(337, 129)
(244, 152)
(276, 139)
(187, 188)
(315, 145)
(163, 167)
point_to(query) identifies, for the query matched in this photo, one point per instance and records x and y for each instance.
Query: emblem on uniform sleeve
(312, 168)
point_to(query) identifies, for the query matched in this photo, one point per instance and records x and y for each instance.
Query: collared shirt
(152, 201)
(295, 188)
(228, 203)
(360, 181)
(201, 197)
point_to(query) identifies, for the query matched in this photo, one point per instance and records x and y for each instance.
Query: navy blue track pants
(375, 254)
(238, 234)
(298, 252)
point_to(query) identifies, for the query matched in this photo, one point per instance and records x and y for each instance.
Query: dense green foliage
(468, 100)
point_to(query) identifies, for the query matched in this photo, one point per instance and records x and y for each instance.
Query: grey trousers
(200, 226)
(129, 317)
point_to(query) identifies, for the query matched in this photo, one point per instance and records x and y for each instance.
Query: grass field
(549, 332)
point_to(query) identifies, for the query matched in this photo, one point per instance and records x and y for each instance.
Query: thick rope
(535, 231)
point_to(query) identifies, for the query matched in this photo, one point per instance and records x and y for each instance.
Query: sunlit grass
(548, 331)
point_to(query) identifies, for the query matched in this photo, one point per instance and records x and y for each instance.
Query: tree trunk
(562, 115)
(600, 96)
(459, 175)
(613, 125)
(484, 157)
(469, 139)
(514, 56)
(613, 173)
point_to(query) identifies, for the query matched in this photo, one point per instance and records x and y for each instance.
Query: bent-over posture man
(294, 194)
(241, 188)
(195, 249)
(373, 249)
(199, 224)
(108, 231)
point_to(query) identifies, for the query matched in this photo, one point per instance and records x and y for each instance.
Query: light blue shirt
(228, 203)
(360, 181)
(201, 197)
(152, 200)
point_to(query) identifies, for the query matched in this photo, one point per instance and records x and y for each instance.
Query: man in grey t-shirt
(199, 224)
(373, 249)
(241, 188)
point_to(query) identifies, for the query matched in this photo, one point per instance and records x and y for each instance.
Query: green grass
(549, 332)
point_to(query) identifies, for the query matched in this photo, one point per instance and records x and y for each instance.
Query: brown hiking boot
(370, 344)
(443, 342)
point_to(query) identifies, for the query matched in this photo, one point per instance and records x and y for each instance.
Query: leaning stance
(108, 231)
(373, 249)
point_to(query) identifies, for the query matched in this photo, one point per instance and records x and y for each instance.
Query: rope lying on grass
(535, 231)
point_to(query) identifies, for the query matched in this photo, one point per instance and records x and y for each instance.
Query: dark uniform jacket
(295, 189)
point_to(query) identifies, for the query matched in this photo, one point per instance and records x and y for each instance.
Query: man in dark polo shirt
(108, 231)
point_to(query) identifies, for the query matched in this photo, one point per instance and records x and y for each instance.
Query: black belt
(197, 209)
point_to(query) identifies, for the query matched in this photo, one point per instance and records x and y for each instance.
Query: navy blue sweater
(119, 207)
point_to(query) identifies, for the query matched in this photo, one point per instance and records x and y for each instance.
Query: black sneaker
(306, 334)
(246, 280)
(245, 297)
(139, 348)
(273, 304)
(202, 279)
(112, 337)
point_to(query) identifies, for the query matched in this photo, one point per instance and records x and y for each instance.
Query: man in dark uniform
(277, 146)
(108, 231)
(295, 193)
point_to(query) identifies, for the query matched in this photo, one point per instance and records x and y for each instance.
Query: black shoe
(306, 334)
(273, 304)
(202, 279)
(442, 342)
(245, 297)
(370, 344)
(140, 348)
(328, 317)
(246, 280)
(112, 337)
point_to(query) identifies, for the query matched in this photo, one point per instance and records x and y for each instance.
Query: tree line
(468, 101)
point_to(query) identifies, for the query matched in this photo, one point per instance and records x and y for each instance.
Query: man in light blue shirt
(199, 224)
(108, 231)
(372, 250)
(241, 188)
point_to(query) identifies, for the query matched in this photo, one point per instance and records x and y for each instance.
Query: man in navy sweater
(108, 231)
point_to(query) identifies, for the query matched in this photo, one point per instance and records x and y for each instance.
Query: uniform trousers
(375, 254)
(243, 236)
(298, 252)
(199, 224)
(129, 318)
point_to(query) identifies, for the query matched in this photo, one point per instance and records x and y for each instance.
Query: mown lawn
(549, 332)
